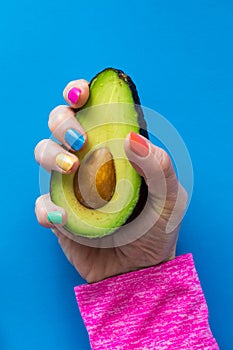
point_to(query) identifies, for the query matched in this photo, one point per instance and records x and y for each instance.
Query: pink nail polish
(73, 95)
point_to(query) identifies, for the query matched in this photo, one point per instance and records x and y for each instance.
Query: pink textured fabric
(161, 307)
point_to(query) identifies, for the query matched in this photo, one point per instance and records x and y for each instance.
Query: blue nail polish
(74, 139)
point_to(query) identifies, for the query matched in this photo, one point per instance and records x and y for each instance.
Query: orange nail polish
(138, 145)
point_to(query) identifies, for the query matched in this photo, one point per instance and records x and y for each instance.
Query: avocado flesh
(108, 117)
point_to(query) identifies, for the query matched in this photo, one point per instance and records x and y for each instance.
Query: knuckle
(164, 160)
(40, 221)
(57, 117)
(42, 200)
(38, 151)
(39, 202)
(42, 216)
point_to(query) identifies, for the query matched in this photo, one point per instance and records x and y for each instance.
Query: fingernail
(138, 145)
(55, 217)
(73, 95)
(65, 162)
(74, 139)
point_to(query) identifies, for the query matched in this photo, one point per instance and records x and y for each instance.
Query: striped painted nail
(74, 139)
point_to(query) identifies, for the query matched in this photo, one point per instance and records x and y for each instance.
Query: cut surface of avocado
(103, 194)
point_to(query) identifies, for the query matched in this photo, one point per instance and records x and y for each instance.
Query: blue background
(180, 55)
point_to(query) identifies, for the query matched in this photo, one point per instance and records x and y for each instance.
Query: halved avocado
(106, 192)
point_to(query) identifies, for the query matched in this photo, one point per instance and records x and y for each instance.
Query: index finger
(76, 93)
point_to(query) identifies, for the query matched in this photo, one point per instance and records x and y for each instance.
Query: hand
(166, 197)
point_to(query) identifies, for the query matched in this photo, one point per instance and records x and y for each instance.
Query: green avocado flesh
(108, 117)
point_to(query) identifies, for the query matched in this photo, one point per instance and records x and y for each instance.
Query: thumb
(153, 163)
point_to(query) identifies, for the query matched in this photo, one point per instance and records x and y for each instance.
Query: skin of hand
(167, 198)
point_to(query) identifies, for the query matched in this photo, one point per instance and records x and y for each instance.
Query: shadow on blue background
(180, 55)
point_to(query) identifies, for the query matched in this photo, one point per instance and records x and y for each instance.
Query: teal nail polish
(55, 217)
(74, 139)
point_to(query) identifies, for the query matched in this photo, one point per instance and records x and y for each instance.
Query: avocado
(106, 192)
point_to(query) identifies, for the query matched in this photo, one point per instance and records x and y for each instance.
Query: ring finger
(52, 156)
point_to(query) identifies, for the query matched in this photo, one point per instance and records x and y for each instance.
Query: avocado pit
(95, 180)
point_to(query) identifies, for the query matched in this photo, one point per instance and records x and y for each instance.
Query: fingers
(153, 163)
(62, 121)
(76, 93)
(52, 156)
(66, 128)
(48, 214)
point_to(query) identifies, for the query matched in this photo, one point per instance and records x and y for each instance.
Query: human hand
(166, 197)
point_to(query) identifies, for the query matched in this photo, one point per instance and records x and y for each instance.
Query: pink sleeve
(160, 307)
